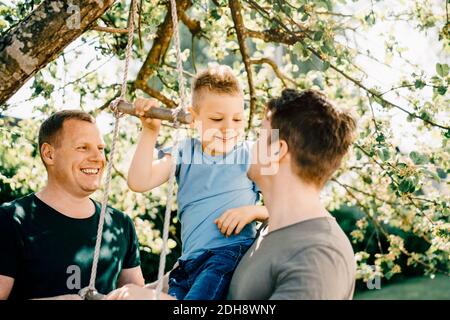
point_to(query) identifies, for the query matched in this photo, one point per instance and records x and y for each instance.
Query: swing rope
(181, 107)
(90, 291)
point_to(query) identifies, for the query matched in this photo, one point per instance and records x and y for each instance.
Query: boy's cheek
(208, 135)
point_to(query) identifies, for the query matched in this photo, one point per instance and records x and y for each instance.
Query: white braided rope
(181, 107)
(117, 115)
(180, 70)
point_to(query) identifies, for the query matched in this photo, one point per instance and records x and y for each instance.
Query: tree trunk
(41, 37)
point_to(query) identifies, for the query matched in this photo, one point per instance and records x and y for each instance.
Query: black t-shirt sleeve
(132, 257)
(9, 245)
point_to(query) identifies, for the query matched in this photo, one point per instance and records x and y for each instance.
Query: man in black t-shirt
(47, 238)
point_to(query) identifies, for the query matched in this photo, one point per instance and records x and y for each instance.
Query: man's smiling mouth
(90, 171)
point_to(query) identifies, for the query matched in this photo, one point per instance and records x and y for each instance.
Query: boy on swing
(216, 200)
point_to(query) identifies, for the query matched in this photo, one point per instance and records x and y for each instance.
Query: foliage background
(391, 200)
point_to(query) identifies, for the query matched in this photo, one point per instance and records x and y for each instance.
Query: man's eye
(82, 148)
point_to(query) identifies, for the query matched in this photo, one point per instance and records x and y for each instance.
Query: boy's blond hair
(216, 79)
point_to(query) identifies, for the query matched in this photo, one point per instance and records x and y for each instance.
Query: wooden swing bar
(157, 113)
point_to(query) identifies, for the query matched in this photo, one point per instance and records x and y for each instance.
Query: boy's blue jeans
(208, 276)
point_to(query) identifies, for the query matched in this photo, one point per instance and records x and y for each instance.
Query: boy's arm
(144, 173)
(234, 220)
(143, 177)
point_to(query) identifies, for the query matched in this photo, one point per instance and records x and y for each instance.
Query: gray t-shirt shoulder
(312, 259)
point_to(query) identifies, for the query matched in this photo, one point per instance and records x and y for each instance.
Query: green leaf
(419, 84)
(386, 154)
(328, 48)
(393, 186)
(380, 138)
(370, 19)
(367, 179)
(276, 7)
(425, 115)
(409, 118)
(418, 158)
(318, 35)
(442, 69)
(442, 90)
(447, 134)
(406, 185)
(432, 175)
(443, 233)
(441, 173)
(383, 154)
(215, 14)
(402, 165)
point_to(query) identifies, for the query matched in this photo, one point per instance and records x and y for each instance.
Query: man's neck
(66, 203)
(290, 201)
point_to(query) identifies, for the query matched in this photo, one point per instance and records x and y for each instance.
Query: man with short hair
(47, 238)
(302, 253)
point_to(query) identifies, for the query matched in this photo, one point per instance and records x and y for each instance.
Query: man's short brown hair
(217, 79)
(51, 127)
(317, 134)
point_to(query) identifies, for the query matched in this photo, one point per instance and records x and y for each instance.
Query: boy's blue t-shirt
(207, 187)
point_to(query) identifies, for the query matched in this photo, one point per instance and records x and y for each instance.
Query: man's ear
(283, 149)
(48, 153)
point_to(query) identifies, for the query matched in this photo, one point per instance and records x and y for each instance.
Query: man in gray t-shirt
(312, 259)
(302, 253)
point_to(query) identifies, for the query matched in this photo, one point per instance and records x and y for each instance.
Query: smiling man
(47, 238)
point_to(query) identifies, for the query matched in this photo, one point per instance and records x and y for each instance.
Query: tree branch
(275, 68)
(371, 158)
(235, 8)
(187, 73)
(156, 54)
(336, 14)
(105, 105)
(192, 24)
(273, 18)
(41, 37)
(272, 36)
(108, 29)
(119, 173)
(157, 95)
(377, 95)
(289, 39)
(386, 234)
(364, 192)
(195, 28)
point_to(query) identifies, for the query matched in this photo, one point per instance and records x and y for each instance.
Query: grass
(418, 288)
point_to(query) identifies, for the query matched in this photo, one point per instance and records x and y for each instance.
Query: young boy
(216, 199)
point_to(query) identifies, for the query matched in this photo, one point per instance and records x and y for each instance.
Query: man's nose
(98, 155)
